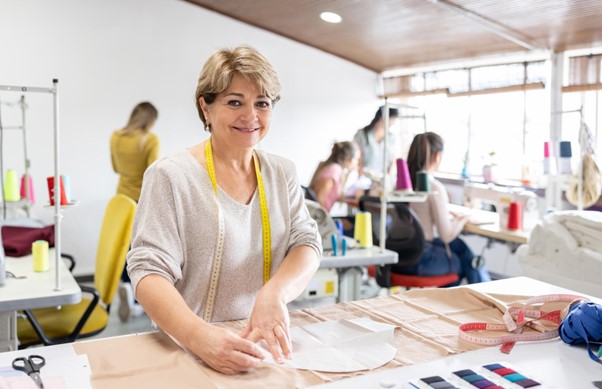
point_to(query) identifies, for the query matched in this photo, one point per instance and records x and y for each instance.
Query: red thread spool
(515, 216)
(51, 190)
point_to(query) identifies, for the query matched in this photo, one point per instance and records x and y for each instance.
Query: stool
(412, 281)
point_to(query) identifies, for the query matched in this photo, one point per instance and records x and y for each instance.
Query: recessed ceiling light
(331, 17)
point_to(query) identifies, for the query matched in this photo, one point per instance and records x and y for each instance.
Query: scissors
(31, 366)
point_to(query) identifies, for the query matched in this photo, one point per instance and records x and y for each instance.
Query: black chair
(406, 237)
(309, 193)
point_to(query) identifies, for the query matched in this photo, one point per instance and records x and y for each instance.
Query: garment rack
(57, 187)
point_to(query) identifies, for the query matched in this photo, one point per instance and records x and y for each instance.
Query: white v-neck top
(176, 226)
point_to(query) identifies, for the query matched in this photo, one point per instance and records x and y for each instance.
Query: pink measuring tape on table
(516, 319)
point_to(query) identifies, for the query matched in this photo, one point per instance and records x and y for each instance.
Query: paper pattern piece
(341, 346)
(63, 370)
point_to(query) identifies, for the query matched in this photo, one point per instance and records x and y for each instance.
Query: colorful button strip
(437, 382)
(511, 375)
(476, 380)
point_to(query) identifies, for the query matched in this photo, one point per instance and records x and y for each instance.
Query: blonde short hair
(220, 68)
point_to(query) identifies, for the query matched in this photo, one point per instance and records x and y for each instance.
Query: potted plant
(489, 167)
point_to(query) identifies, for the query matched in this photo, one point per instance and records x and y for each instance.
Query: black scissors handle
(31, 366)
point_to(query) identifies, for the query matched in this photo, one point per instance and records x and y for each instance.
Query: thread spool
(547, 160)
(363, 229)
(51, 190)
(404, 183)
(39, 251)
(515, 216)
(27, 188)
(564, 161)
(339, 225)
(67, 186)
(423, 181)
(11, 186)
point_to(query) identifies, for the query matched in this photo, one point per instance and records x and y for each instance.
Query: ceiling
(382, 35)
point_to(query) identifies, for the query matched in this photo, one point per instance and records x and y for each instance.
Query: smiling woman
(222, 231)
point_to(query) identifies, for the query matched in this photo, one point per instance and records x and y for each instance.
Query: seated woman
(444, 251)
(331, 175)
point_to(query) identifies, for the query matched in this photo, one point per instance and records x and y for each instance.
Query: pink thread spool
(27, 190)
(404, 183)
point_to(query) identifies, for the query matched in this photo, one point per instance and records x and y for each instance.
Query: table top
(486, 223)
(37, 290)
(360, 257)
(496, 232)
(137, 359)
(554, 364)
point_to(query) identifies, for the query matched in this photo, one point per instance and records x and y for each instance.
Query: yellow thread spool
(363, 229)
(11, 186)
(39, 251)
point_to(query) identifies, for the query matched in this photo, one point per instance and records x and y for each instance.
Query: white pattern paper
(341, 346)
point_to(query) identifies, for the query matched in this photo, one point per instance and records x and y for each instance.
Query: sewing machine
(326, 225)
(478, 196)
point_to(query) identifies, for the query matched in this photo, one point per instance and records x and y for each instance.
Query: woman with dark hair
(371, 142)
(330, 176)
(445, 251)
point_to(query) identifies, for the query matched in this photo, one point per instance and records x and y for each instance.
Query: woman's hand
(270, 321)
(225, 351)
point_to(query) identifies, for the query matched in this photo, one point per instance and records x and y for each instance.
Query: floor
(116, 327)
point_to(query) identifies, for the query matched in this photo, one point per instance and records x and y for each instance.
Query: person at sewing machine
(444, 251)
(330, 176)
(371, 142)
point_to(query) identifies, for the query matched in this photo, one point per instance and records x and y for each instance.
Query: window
(499, 110)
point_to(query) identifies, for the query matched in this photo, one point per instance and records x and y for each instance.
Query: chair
(89, 317)
(309, 193)
(406, 237)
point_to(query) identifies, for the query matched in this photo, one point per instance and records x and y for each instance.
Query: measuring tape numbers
(516, 319)
(219, 248)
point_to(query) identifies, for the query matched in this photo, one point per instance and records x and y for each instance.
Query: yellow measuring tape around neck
(265, 216)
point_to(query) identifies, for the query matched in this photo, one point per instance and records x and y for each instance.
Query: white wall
(108, 55)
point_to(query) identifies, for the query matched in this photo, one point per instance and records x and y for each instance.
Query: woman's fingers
(229, 353)
(284, 341)
(273, 342)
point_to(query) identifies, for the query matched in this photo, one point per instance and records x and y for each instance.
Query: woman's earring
(208, 127)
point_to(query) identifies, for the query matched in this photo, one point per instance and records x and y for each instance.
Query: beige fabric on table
(427, 321)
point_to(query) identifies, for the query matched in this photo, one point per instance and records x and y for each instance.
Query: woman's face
(353, 162)
(240, 116)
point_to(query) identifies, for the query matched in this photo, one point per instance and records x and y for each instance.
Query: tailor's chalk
(333, 238)
(344, 247)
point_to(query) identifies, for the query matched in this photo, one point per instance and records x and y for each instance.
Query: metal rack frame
(57, 187)
(23, 128)
(384, 187)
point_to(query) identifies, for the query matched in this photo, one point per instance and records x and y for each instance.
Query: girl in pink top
(330, 176)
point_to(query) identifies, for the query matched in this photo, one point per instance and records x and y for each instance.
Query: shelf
(16, 204)
(73, 203)
(407, 197)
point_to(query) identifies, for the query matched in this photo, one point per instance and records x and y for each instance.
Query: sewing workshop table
(349, 268)
(566, 366)
(487, 224)
(37, 290)
(494, 231)
(152, 360)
